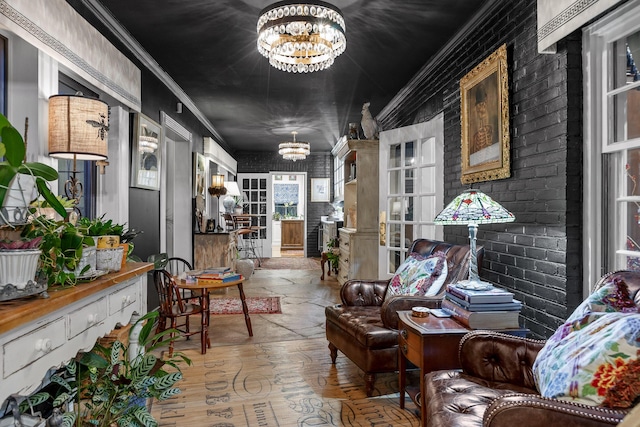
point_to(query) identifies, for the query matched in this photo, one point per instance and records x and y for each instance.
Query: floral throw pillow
(419, 275)
(594, 358)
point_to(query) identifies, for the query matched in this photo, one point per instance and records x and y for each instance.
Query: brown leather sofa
(496, 386)
(364, 327)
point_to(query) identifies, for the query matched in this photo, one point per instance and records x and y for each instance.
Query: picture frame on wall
(146, 156)
(320, 190)
(199, 175)
(484, 119)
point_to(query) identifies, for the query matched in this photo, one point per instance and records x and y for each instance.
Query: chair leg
(369, 380)
(334, 353)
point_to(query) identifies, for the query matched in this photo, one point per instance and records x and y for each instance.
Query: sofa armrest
(363, 292)
(532, 410)
(391, 306)
(499, 357)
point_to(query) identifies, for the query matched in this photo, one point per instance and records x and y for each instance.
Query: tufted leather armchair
(496, 386)
(365, 326)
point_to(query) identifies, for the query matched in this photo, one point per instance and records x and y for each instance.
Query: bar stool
(249, 235)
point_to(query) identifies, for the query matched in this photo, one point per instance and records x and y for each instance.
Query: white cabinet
(37, 334)
(359, 238)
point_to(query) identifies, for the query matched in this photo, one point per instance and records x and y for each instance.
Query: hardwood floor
(282, 376)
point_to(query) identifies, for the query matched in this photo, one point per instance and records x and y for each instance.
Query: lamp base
(476, 285)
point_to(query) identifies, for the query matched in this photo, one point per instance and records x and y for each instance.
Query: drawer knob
(404, 333)
(44, 345)
(404, 349)
(126, 300)
(92, 319)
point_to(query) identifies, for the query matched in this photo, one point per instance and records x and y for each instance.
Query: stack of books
(222, 274)
(493, 308)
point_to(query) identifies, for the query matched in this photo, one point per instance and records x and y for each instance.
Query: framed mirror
(146, 154)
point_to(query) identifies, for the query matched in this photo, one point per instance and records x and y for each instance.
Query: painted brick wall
(317, 165)
(539, 255)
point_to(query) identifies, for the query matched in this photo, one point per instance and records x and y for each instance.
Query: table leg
(402, 376)
(245, 309)
(207, 320)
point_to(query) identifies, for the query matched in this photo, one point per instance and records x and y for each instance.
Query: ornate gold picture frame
(484, 116)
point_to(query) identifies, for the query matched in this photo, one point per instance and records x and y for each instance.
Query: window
(612, 137)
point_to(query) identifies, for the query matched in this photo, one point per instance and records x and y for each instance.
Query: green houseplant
(13, 148)
(104, 387)
(62, 250)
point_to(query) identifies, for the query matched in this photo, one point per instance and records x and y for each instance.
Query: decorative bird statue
(370, 126)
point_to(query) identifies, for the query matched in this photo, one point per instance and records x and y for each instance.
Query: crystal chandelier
(301, 37)
(294, 150)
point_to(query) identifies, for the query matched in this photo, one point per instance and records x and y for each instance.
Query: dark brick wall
(317, 165)
(539, 255)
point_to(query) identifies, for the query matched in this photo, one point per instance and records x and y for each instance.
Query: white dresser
(37, 334)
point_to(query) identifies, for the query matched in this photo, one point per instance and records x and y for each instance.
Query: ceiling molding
(424, 72)
(147, 60)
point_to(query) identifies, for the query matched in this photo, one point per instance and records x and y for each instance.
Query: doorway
(288, 209)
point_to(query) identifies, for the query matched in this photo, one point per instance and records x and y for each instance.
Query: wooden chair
(173, 307)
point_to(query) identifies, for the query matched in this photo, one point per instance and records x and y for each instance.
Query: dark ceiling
(209, 48)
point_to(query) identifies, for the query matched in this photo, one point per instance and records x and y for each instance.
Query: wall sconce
(78, 129)
(217, 189)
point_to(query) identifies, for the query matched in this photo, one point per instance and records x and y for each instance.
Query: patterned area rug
(257, 305)
(291, 263)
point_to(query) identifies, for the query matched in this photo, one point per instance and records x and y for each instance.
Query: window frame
(602, 156)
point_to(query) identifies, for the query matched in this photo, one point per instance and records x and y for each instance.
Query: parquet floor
(282, 376)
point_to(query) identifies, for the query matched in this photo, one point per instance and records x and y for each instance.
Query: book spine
(456, 292)
(458, 313)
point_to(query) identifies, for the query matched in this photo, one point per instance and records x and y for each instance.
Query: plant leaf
(168, 393)
(144, 417)
(44, 190)
(38, 169)
(35, 399)
(143, 368)
(167, 381)
(14, 144)
(7, 173)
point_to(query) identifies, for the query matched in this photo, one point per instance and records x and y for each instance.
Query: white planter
(88, 258)
(245, 267)
(16, 202)
(18, 267)
(109, 259)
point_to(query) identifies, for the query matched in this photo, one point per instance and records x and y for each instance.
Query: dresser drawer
(87, 316)
(122, 299)
(32, 346)
(410, 346)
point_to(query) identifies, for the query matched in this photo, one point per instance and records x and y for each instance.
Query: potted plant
(333, 254)
(67, 254)
(18, 178)
(106, 233)
(41, 207)
(18, 268)
(126, 241)
(107, 387)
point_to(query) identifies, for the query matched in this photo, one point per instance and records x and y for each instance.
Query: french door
(411, 189)
(254, 189)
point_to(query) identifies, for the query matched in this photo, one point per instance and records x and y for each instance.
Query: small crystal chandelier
(294, 150)
(301, 37)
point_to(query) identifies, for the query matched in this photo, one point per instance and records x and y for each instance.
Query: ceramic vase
(245, 267)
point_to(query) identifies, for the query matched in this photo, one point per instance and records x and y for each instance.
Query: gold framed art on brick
(484, 118)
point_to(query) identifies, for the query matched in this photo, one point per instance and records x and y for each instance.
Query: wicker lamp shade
(78, 127)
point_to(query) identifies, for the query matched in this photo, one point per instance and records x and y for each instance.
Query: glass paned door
(411, 189)
(254, 189)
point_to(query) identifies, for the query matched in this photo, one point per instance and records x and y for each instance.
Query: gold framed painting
(484, 117)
